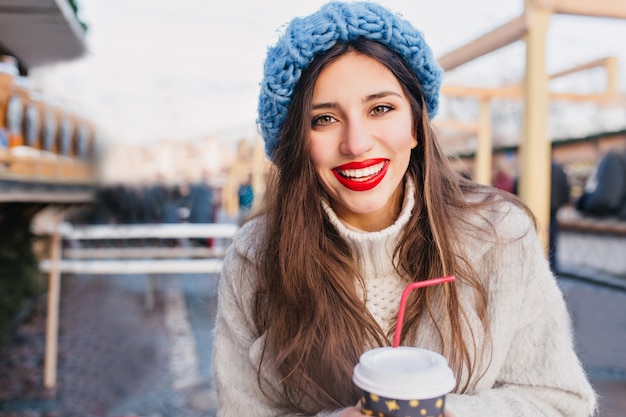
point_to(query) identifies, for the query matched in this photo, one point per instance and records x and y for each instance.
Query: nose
(357, 139)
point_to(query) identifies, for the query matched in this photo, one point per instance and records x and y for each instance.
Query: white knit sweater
(533, 369)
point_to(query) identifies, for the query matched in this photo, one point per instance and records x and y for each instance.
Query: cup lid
(404, 373)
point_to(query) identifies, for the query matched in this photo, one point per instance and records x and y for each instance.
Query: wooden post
(484, 152)
(535, 149)
(52, 317)
(611, 76)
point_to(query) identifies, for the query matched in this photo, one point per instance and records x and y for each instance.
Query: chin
(373, 208)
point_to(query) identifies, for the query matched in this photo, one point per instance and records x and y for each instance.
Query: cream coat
(531, 370)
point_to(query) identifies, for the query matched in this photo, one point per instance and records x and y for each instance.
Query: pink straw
(405, 295)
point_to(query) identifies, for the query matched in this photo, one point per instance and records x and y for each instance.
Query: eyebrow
(381, 95)
(370, 97)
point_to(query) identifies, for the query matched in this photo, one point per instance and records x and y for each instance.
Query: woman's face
(361, 139)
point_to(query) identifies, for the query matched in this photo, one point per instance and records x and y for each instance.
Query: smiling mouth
(357, 177)
(362, 174)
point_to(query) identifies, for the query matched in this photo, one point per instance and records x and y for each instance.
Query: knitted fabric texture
(307, 37)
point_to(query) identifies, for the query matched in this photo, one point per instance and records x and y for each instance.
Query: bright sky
(190, 68)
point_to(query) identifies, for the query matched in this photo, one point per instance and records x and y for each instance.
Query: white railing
(128, 260)
(139, 260)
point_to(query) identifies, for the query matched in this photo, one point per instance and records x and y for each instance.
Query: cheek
(402, 139)
(322, 158)
(320, 155)
(399, 133)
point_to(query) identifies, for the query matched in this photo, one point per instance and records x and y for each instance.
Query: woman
(362, 201)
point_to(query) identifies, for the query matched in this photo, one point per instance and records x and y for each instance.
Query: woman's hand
(354, 411)
(448, 413)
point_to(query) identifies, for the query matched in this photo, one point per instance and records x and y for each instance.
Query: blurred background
(142, 112)
(161, 91)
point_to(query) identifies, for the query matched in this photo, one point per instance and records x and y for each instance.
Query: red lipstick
(362, 183)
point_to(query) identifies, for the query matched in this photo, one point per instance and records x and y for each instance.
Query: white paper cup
(403, 381)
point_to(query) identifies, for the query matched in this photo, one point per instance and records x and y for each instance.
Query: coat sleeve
(237, 347)
(534, 368)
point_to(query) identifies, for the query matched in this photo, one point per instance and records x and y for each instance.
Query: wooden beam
(457, 125)
(600, 62)
(455, 144)
(610, 66)
(450, 90)
(514, 92)
(601, 98)
(596, 8)
(500, 37)
(517, 28)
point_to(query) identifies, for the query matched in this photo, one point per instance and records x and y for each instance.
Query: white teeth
(364, 172)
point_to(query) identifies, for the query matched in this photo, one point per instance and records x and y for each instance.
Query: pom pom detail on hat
(307, 37)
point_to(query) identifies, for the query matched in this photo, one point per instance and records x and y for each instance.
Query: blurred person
(245, 195)
(605, 190)
(503, 181)
(200, 207)
(221, 215)
(169, 201)
(361, 202)
(559, 197)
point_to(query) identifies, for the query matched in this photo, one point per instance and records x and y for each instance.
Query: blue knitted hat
(307, 37)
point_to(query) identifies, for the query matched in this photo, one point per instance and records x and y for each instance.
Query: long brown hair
(307, 304)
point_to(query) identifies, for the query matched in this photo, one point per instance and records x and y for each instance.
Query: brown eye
(381, 109)
(322, 120)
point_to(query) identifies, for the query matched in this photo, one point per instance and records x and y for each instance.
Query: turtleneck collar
(374, 250)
